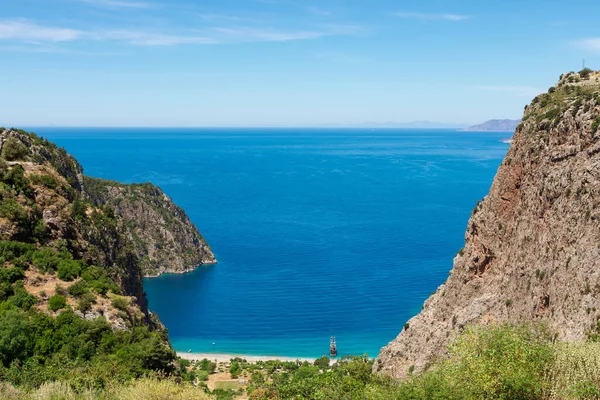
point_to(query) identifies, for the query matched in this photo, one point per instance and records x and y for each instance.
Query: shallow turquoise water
(317, 232)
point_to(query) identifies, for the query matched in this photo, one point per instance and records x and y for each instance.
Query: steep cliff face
(163, 237)
(532, 245)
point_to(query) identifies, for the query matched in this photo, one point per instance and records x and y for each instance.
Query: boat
(332, 347)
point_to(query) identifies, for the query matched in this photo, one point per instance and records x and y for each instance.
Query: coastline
(184, 271)
(218, 357)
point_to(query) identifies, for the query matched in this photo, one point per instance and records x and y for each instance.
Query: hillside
(72, 305)
(532, 245)
(494, 125)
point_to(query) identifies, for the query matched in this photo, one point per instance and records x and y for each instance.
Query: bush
(208, 366)
(68, 270)
(21, 297)
(202, 375)
(79, 288)
(235, 369)
(322, 363)
(585, 73)
(15, 341)
(495, 362)
(3, 169)
(78, 210)
(60, 289)
(14, 150)
(46, 180)
(120, 303)
(57, 302)
(85, 303)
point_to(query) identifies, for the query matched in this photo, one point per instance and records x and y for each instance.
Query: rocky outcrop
(532, 246)
(113, 233)
(164, 238)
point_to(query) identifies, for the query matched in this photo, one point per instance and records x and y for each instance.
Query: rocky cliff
(532, 246)
(59, 229)
(163, 237)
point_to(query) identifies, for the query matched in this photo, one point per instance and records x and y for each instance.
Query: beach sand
(227, 357)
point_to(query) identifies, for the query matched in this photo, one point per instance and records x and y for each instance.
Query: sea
(317, 232)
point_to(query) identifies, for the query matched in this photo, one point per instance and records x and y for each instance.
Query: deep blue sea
(317, 232)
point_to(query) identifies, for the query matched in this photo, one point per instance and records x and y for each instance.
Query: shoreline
(219, 357)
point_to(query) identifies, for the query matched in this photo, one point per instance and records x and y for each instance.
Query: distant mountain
(495, 125)
(401, 125)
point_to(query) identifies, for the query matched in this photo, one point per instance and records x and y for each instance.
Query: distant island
(495, 125)
(399, 125)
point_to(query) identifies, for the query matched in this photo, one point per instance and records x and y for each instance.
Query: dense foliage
(45, 337)
(495, 362)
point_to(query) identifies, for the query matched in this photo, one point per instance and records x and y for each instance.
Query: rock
(532, 246)
(163, 236)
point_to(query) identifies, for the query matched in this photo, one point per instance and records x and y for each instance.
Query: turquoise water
(317, 232)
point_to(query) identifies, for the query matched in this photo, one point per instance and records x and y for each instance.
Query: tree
(235, 369)
(14, 150)
(14, 336)
(322, 363)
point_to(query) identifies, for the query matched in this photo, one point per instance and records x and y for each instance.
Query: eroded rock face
(163, 236)
(532, 245)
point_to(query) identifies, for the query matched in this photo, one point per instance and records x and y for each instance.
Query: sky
(184, 63)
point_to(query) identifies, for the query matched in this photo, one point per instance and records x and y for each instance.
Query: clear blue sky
(284, 62)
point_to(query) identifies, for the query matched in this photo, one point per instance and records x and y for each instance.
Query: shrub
(14, 150)
(235, 369)
(585, 73)
(120, 303)
(575, 371)
(57, 302)
(3, 169)
(322, 362)
(79, 288)
(46, 259)
(21, 297)
(68, 270)
(59, 289)
(46, 180)
(15, 342)
(78, 210)
(494, 362)
(202, 375)
(207, 365)
(596, 124)
(85, 304)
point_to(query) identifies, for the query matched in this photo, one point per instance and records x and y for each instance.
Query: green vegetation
(46, 180)
(495, 362)
(146, 388)
(120, 303)
(57, 302)
(14, 150)
(36, 348)
(585, 73)
(41, 353)
(235, 369)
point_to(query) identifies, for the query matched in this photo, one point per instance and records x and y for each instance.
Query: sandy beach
(226, 357)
